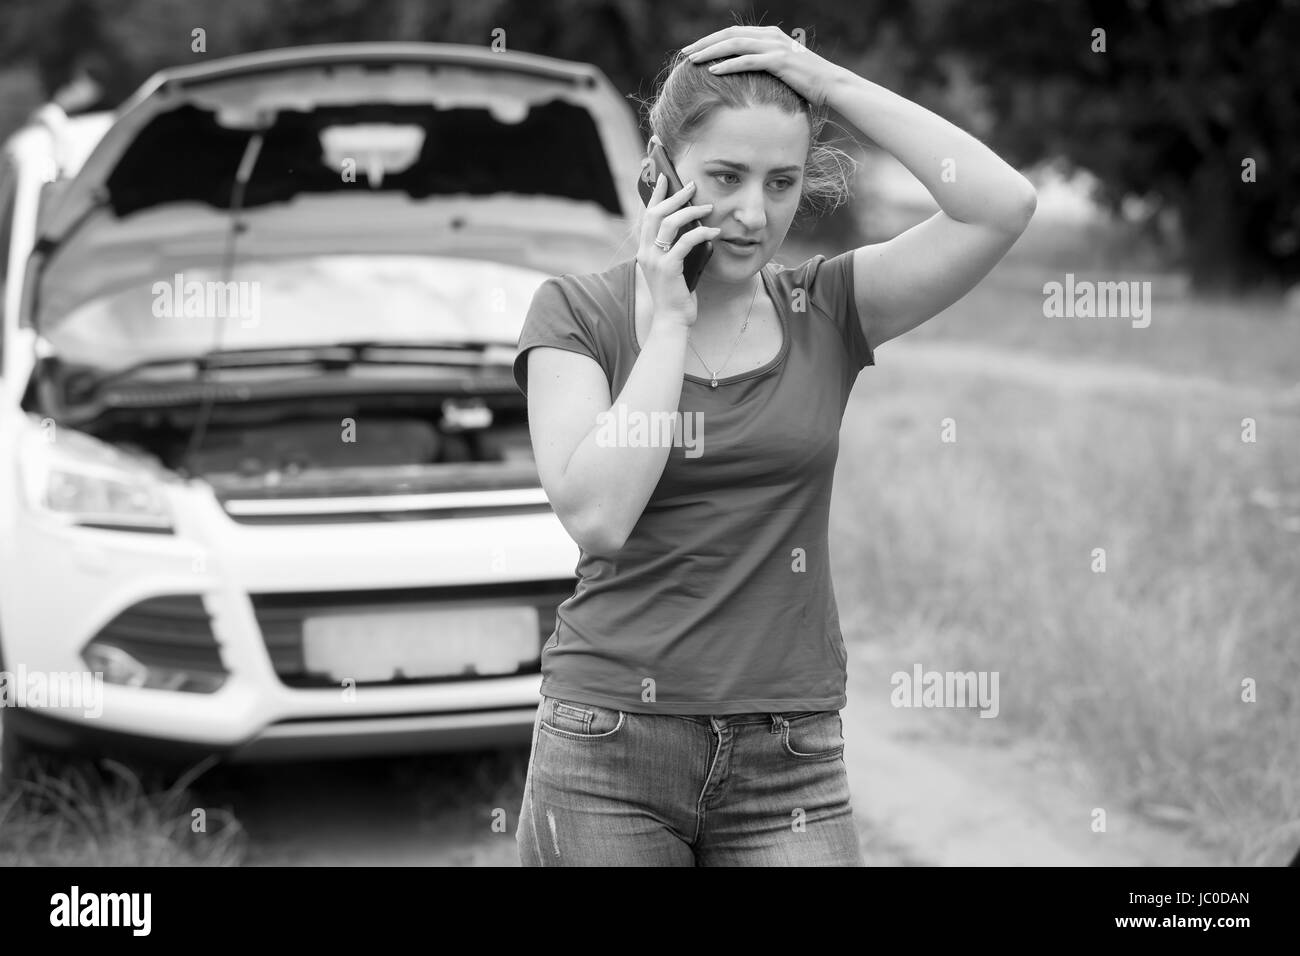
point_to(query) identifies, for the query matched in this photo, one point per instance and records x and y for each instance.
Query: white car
(266, 485)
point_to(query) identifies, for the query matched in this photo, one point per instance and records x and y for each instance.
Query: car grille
(172, 631)
(280, 618)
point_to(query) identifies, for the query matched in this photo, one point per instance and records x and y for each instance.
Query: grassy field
(1252, 339)
(977, 554)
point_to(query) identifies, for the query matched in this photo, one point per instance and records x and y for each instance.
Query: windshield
(308, 301)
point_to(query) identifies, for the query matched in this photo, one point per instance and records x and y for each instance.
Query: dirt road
(920, 799)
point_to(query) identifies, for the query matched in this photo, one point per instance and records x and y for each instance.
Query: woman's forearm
(968, 180)
(614, 480)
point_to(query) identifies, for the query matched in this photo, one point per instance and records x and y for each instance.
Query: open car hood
(524, 159)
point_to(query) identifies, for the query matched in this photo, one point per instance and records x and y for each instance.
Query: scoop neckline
(729, 379)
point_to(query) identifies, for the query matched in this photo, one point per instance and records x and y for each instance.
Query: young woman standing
(692, 687)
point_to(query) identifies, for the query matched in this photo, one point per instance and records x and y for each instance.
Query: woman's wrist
(988, 191)
(842, 79)
(668, 327)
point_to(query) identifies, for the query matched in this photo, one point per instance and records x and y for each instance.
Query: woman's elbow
(594, 532)
(603, 540)
(1025, 205)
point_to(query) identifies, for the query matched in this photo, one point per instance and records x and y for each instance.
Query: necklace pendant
(714, 383)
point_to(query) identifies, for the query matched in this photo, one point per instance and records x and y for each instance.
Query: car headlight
(75, 478)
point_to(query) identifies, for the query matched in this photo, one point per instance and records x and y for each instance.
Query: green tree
(1185, 92)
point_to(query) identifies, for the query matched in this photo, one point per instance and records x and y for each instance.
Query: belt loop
(776, 723)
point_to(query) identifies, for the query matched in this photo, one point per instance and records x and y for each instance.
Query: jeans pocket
(816, 735)
(577, 721)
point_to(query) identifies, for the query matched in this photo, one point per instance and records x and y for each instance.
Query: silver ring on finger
(665, 246)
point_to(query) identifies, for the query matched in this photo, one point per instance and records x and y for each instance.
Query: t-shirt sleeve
(831, 290)
(552, 321)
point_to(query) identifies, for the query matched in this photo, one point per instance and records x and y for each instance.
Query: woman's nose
(750, 212)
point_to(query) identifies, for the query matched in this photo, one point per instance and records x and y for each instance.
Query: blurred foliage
(1185, 90)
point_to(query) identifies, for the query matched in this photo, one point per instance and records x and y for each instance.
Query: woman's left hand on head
(770, 49)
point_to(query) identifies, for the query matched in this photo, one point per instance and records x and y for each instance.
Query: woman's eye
(782, 184)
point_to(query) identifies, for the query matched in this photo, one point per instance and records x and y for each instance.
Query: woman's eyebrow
(744, 169)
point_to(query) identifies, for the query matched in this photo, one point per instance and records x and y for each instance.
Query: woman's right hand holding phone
(673, 302)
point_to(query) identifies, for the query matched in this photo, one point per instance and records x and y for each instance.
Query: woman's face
(749, 164)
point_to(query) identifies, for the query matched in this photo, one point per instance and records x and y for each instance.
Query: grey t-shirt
(721, 600)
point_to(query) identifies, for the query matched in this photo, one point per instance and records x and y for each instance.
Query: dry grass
(106, 814)
(976, 555)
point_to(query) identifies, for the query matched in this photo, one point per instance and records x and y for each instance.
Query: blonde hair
(687, 94)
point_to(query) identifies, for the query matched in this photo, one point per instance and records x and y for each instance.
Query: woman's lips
(740, 248)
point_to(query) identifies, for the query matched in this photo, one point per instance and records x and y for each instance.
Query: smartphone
(695, 261)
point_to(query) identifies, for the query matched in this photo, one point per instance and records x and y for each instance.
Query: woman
(692, 686)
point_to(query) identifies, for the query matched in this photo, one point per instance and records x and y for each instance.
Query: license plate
(391, 644)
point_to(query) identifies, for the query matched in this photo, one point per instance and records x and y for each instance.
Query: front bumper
(62, 586)
(387, 735)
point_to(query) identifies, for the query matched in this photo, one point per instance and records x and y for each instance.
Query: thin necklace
(713, 374)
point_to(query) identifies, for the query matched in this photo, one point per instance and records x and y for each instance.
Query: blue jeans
(610, 788)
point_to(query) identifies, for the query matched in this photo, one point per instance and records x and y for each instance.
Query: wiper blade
(459, 345)
(85, 381)
(328, 357)
(193, 363)
(483, 348)
(341, 355)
